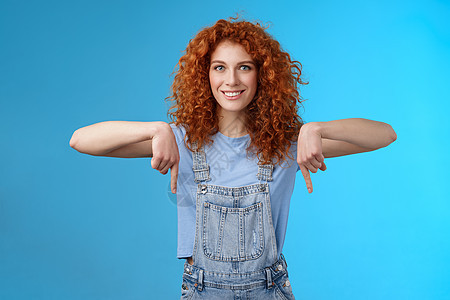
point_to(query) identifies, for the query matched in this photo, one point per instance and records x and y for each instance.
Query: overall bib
(235, 251)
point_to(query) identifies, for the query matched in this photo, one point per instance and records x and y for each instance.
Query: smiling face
(233, 77)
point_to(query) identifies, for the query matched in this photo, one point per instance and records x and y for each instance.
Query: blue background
(73, 226)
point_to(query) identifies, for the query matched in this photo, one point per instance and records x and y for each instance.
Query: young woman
(233, 150)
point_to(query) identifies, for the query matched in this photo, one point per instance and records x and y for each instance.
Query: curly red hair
(272, 120)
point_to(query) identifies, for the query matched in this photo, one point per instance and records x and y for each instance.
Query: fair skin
(233, 77)
(320, 140)
(131, 140)
(232, 70)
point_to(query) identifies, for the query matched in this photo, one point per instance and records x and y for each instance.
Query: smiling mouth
(232, 94)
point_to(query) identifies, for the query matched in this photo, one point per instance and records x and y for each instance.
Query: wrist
(158, 128)
(316, 128)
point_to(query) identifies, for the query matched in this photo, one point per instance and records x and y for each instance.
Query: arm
(114, 138)
(131, 139)
(350, 136)
(318, 140)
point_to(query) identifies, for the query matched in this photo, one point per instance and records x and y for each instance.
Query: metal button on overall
(204, 189)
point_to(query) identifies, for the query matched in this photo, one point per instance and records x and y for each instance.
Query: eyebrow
(239, 63)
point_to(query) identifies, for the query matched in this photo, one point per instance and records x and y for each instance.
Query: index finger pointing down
(174, 178)
(307, 177)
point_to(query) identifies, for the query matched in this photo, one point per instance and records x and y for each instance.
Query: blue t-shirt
(230, 166)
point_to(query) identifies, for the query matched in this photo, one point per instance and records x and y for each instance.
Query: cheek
(214, 85)
(253, 82)
(251, 78)
(213, 82)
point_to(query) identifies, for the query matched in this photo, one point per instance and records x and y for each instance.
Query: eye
(219, 68)
(245, 68)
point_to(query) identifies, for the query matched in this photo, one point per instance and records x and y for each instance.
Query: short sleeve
(179, 133)
(293, 151)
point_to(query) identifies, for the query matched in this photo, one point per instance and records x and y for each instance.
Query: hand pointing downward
(309, 154)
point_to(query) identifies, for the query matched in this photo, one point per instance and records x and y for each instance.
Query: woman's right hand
(165, 154)
(131, 139)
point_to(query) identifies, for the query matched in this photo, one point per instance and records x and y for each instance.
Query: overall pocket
(233, 234)
(283, 287)
(187, 289)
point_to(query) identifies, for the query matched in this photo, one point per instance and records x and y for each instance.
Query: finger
(323, 167)
(155, 162)
(164, 167)
(317, 160)
(170, 164)
(310, 167)
(320, 158)
(315, 163)
(307, 178)
(174, 178)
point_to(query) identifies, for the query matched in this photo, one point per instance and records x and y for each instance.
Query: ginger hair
(271, 119)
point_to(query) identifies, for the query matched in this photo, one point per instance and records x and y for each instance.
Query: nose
(232, 78)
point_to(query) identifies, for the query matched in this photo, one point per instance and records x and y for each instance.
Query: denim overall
(235, 251)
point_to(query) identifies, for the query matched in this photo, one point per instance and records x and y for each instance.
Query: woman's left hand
(309, 152)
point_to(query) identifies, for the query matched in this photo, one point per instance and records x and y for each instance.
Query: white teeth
(232, 94)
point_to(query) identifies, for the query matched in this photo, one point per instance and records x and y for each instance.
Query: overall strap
(200, 166)
(265, 172)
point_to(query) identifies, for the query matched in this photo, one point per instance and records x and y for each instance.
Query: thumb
(323, 167)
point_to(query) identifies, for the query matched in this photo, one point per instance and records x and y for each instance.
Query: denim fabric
(229, 165)
(235, 251)
(243, 285)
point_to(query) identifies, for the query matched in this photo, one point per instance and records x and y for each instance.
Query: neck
(232, 124)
